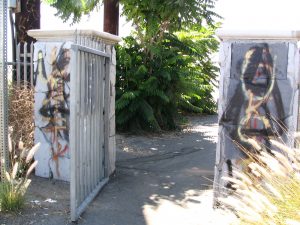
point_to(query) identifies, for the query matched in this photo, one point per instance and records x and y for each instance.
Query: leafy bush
(165, 65)
(154, 82)
(269, 191)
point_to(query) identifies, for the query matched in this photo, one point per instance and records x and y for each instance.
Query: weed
(268, 192)
(10, 198)
(13, 190)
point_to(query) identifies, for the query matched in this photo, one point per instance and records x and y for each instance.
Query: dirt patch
(47, 202)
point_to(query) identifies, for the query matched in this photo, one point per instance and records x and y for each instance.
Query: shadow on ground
(159, 180)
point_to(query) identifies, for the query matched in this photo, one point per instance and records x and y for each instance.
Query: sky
(93, 21)
(237, 14)
(260, 14)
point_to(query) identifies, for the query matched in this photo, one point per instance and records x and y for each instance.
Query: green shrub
(165, 66)
(155, 81)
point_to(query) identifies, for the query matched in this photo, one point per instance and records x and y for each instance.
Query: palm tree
(111, 16)
(28, 18)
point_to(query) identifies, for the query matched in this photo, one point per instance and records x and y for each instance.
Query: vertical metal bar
(97, 118)
(96, 111)
(76, 151)
(77, 120)
(88, 117)
(106, 117)
(101, 124)
(95, 43)
(82, 125)
(31, 64)
(101, 111)
(89, 122)
(79, 130)
(92, 121)
(3, 89)
(25, 64)
(82, 106)
(92, 80)
(102, 116)
(18, 59)
(93, 135)
(102, 46)
(88, 41)
(73, 138)
(85, 122)
(82, 112)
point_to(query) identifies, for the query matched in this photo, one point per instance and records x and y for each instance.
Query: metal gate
(88, 104)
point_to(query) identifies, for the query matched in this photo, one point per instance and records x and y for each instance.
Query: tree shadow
(170, 186)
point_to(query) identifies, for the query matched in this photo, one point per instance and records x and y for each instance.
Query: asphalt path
(163, 179)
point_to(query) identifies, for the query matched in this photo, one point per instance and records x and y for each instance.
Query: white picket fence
(21, 71)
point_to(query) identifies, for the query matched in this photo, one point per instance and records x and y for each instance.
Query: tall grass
(268, 191)
(13, 189)
(21, 149)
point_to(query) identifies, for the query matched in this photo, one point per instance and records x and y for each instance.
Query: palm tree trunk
(28, 18)
(111, 16)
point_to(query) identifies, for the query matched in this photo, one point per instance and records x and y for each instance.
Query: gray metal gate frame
(94, 181)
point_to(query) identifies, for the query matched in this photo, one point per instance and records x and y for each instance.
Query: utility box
(74, 78)
(259, 95)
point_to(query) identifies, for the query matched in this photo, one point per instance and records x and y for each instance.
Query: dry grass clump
(20, 119)
(13, 189)
(268, 192)
(21, 149)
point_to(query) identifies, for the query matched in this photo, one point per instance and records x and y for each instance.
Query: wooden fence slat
(18, 59)
(31, 64)
(25, 64)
